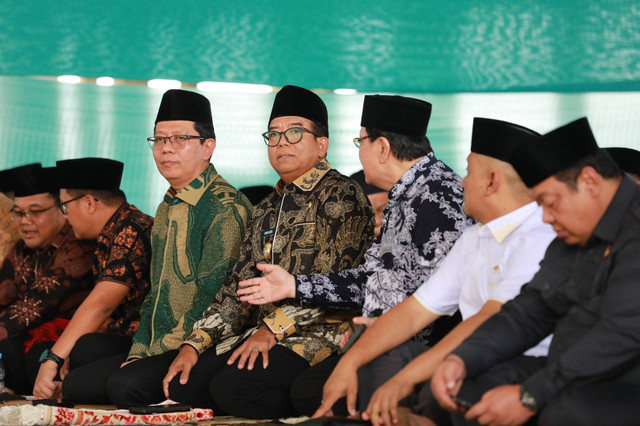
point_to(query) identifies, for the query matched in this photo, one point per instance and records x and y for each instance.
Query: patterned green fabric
(320, 223)
(195, 242)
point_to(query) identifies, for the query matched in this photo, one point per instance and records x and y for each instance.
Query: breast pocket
(304, 234)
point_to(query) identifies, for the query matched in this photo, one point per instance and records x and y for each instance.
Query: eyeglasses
(178, 141)
(63, 206)
(17, 215)
(292, 135)
(358, 141)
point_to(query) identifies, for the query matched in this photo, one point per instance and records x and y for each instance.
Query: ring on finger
(255, 349)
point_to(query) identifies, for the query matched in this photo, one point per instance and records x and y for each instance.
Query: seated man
(586, 293)
(257, 193)
(485, 268)
(378, 197)
(628, 160)
(96, 208)
(423, 219)
(9, 234)
(44, 277)
(316, 221)
(195, 241)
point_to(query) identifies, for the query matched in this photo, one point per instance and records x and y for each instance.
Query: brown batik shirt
(320, 223)
(123, 256)
(38, 285)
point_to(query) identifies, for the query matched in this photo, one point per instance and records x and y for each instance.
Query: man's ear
(209, 146)
(590, 179)
(90, 202)
(382, 148)
(323, 146)
(493, 183)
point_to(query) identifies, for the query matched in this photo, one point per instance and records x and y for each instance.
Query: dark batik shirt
(38, 285)
(123, 256)
(423, 219)
(321, 222)
(588, 296)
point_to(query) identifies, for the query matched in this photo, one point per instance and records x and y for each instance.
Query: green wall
(45, 121)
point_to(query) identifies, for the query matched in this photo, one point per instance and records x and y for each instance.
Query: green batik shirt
(320, 223)
(195, 241)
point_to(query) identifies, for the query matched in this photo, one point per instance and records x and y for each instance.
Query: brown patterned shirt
(123, 256)
(38, 285)
(320, 223)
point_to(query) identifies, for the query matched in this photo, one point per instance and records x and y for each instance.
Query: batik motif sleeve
(226, 316)
(342, 290)
(39, 299)
(225, 236)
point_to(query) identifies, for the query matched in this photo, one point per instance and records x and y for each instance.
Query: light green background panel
(43, 121)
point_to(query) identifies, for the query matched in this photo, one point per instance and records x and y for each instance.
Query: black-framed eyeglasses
(358, 141)
(179, 141)
(63, 206)
(17, 215)
(292, 135)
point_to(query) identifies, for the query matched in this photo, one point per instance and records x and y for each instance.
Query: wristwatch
(528, 400)
(47, 355)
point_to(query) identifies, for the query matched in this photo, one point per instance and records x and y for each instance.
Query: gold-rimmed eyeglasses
(358, 141)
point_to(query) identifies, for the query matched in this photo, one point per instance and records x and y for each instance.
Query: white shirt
(490, 262)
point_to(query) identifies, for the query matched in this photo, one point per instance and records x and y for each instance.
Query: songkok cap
(367, 188)
(90, 173)
(34, 179)
(257, 193)
(397, 114)
(499, 139)
(554, 152)
(627, 159)
(184, 105)
(6, 180)
(300, 102)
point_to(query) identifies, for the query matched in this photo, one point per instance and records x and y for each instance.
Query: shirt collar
(192, 193)
(410, 175)
(609, 225)
(115, 217)
(308, 180)
(501, 227)
(65, 234)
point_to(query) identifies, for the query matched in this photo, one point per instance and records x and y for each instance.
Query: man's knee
(73, 386)
(119, 388)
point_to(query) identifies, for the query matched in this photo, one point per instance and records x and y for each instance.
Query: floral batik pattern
(39, 285)
(423, 219)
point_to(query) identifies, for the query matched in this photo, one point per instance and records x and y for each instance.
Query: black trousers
(256, 394)
(611, 401)
(140, 382)
(21, 370)
(306, 390)
(94, 357)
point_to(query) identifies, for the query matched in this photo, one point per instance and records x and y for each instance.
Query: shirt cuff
(541, 387)
(280, 324)
(199, 340)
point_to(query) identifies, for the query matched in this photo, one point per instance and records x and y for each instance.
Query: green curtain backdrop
(406, 46)
(46, 121)
(540, 63)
